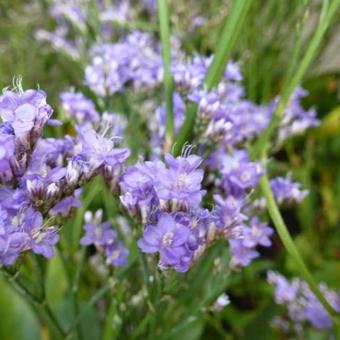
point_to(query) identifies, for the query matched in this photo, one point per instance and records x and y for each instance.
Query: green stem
(113, 322)
(98, 295)
(291, 248)
(229, 36)
(163, 14)
(299, 36)
(73, 293)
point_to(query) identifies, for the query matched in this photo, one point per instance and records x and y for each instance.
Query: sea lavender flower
(154, 185)
(132, 60)
(257, 233)
(296, 119)
(168, 238)
(41, 239)
(97, 152)
(181, 181)
(104, 238)
(237, 174)
(27, 112)
(24, 114)
(25, 231)
(302, 305)
(7, 151)
(229, 216)
(117, 123)
(287, 191)
(66, 204)
(221, 302)
(241, 255)
(79, 107)
(251, 235)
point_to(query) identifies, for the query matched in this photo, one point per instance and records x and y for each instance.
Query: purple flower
(257, 234)
(26, 111)
(241, 255)
(42, 240)
(229, 216)
(134, 60)
(181, 182)
(59, 42)
(285, 291)
(246, 176)
(296, 119)
(99, 150)
(152, 185)
(137, 186)
(104, 238)
(7, 156)
(64, 206)
(79, 107)
(12, 239)
(98, 234)
(302, 305)
(167, 237)
(116, 254)
(287, 191)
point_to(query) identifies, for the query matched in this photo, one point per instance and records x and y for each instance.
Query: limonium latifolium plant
(155, 182)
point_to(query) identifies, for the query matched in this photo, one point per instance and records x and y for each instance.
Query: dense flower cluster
(135, 59)
(167, 198)
(302, 305)
(41, 178)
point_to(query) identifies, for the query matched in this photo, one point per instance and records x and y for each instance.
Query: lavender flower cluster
(167, 198)
(41, 178)
(134, 60)
(301, 304)
(179, 218)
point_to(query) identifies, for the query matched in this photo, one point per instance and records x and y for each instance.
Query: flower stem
(291, 248)
(229, 36)
(163, 14)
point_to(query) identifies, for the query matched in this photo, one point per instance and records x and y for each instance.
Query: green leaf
(17, 319)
